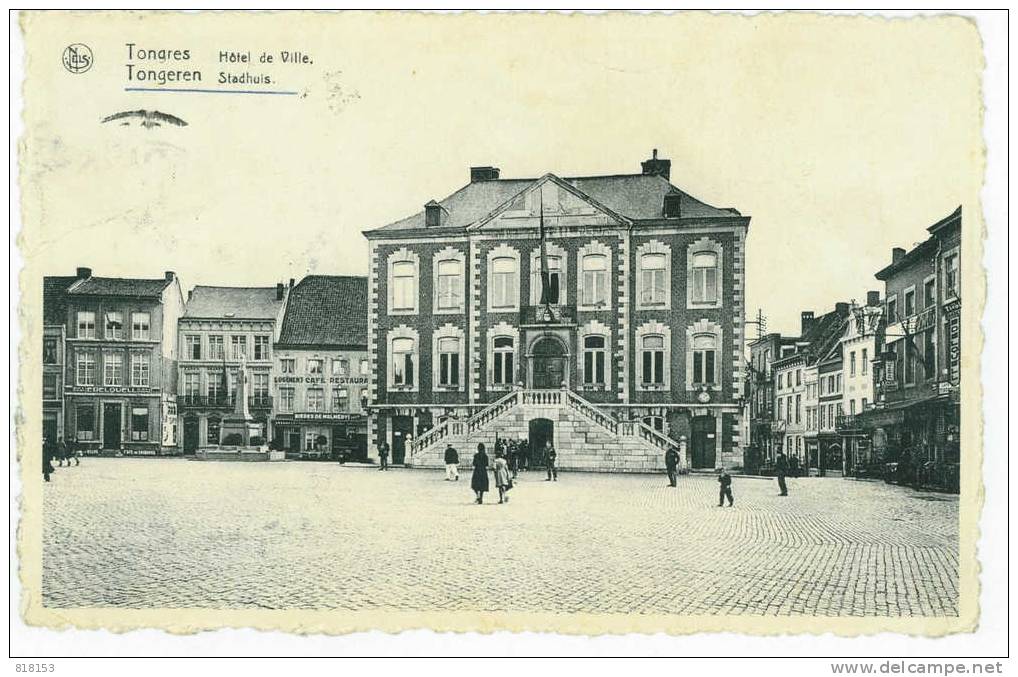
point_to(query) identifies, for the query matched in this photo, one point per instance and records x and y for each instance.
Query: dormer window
(432, 215)
(672, 206)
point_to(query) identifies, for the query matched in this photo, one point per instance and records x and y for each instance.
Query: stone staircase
(585, 437)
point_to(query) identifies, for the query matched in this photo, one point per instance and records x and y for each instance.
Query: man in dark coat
(47, 459)
(672, 466)
(552, 457)
(725, 480)
(383, 455)
(781, 467)
(452, 462)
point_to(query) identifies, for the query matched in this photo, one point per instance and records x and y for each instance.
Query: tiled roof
(248, 303)
(635, 196)
(327, 310)
(54, 298)
(824, 334)
(119, 286)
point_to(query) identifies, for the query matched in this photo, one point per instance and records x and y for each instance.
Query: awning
(893, 413)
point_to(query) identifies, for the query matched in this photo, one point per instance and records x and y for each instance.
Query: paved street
(179, 533)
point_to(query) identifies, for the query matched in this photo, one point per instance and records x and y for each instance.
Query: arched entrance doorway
(542, 431)
(548, 363)
(191, 434)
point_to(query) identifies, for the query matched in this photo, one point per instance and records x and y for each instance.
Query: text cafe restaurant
(317, 427)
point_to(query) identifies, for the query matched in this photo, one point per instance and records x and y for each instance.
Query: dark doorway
(111, 426)
(542, 431)
(49, 427)
(549, 364)
(192, 436)
(293, 440)
(703, 445)
(401, 427)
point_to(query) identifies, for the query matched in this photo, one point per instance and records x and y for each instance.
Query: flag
(545, 271)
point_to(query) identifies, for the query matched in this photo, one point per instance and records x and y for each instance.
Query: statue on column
(240, 406)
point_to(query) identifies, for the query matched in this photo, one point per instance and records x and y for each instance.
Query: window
(340, 399)
(315, 399)
(595, 280)
(139, 369)
(851, 365)
(594, 359)
(404, 283)
(340, 367)
(929, 293)
(892, 310)
(140, 323)
(503, 281)
(448, 361)
(909, 302)
(655, 422)
(705, 277)
(287, 365)
(837, 383)
(780, 380)
(865, 361)
(365, 368)
(950, 275)
(139, 424)
(653, 360)
(192, 384)
(798, 409)
(554, 280)
(286, 399)
(113, 369)
(238, 347)
(84, 416)
(49, 351)
(261, 347)
(865, 403)
(310, 440)
(851, 407)
(192, 347)
(114, 326)
(314, 366)
(798, 377)
(49, 386)
(216, 347)
(929, 355)
(450, 285)
(213, 431)
(260, 385)
(215, 390)
(652, 278)
(403, 362)
(788, 410)
(86, 324)
(503, 371)
(704, 358)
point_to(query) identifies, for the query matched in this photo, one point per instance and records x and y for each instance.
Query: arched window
(595, 280)
(502, 368)
(450, 285)
(404, 285)
(704, 280)
(653, 360)
(705, 360)
(504, 284)
(593, 360)
(652, 278)
(448, 361)
(403, 360)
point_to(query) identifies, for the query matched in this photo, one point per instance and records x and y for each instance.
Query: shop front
(322, 435)
(115, 422)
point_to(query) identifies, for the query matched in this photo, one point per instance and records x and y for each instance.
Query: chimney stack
(841, 308)
(432, 215)
(190, 293)
(279, 291)
(291, 283)
(656, 167)
(872, 298)
(483, 174)
(897, 254)
(806, 322)
(84, 273)
(170, 275)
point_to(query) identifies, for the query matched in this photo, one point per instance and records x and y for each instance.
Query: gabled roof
(119, 286)
(823, 335)
(247, 303)
(327, 310)
(636, 197)
(54, 298)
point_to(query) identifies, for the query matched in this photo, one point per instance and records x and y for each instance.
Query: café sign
(322, 380)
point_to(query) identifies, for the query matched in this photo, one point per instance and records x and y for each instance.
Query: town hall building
(630, 343)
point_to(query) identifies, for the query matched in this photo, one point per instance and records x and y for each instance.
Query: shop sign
(323, 416)
(954, 348)
(924, 321)
(322, 380)
(110, 390)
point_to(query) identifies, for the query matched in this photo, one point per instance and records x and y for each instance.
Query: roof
(248, 303)
(639, 197)
(954, 218)
(923, 249)
(326, 310)
(119, 286)
(824, 334)
(54, 298)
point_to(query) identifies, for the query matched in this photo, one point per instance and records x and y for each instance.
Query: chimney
(432, 215)
(656, 167)
(897, 254)
(483, 174)
(170, 276)
(84, 273)
(291, 283)
(279, 291)
(190, 293)
(806, 322)
(872, 298)
(841, 308)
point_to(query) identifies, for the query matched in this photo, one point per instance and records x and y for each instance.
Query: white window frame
(653, 248)
(447, 331)
(217, 347)
(503, 330)
(287, 398)
(594, 248)
(239, 340)
(403, 332)
(110, 319)
(904, 301)
(141, 368)
(705, 245)
(953, 291)
(499, 252)
(83, 359)
(654, 329)
(318, 406)
(112, 376)
(141, 326)
(287, 365)
(266, 340)
(594, 328)
(188, 342)
(85, 319)
(705, 326)
(403, 255)
(449, 254)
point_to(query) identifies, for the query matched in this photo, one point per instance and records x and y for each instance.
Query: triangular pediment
(563, 206)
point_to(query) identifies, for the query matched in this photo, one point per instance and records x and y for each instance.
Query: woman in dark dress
(479, 480)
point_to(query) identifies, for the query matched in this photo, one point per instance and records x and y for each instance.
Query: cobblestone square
(143, 533)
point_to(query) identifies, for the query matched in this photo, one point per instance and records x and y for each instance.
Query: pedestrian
(725, 480)
(781, 467)
(502, 480)
(672, 466)
(452, 463)
(408, 456)
(383, 455)
(552, 463)
(479, 480)
(47, 459)
(72, 451)
(514, 458)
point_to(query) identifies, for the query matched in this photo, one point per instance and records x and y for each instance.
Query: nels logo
(77, 58)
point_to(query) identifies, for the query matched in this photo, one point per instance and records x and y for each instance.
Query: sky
(840, 137)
